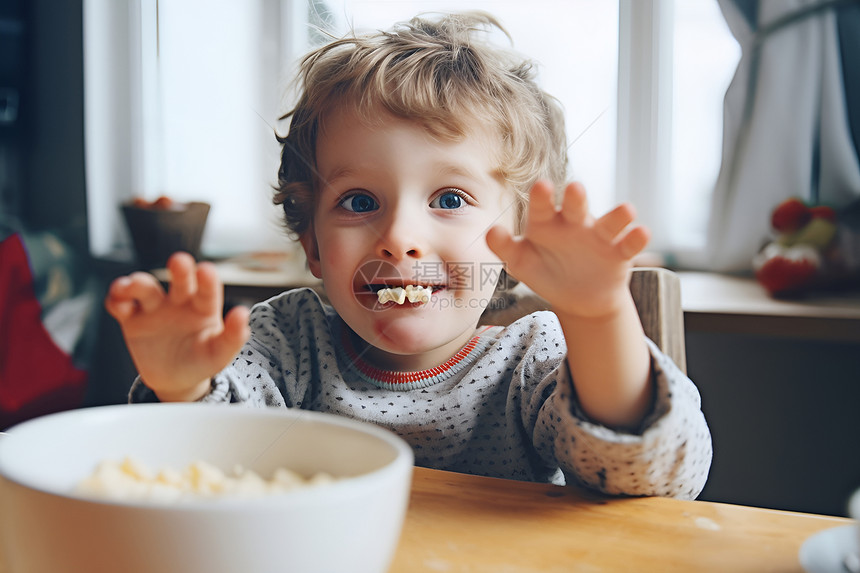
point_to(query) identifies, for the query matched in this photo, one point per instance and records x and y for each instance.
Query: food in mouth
(412, 293)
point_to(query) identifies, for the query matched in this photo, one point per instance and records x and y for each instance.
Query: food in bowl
(131, 479)
(350, 525)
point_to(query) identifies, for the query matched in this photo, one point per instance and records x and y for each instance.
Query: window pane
(705, 57)
(217, 141)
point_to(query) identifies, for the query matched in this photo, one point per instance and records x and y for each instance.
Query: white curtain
(786, 131)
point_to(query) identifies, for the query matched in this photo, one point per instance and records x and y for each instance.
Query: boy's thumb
(501, 242)
(236, 332)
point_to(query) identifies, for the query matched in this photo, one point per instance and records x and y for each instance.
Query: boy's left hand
(579, 264)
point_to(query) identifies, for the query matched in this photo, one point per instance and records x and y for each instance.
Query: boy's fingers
(541, 202)
(210, 292)
(141, 287)
(183, 278)
(634, 242)
(574, 205)
(610, 225)
(501, 242)
(118, 287)
(120, 309)
(116, 303)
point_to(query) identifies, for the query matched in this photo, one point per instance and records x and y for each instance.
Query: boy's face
(397, 207)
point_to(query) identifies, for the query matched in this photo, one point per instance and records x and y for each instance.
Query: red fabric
(36, 376)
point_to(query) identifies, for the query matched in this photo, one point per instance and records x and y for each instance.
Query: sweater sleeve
(669, 455)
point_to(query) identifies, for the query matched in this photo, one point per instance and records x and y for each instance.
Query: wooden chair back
(656, 293)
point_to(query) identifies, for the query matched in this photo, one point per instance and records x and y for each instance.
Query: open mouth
(402, 293)
(376, 287)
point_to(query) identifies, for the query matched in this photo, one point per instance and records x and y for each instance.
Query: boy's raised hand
(579, 264)
(177, 339)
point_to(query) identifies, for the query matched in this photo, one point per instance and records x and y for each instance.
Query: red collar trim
(408, 380)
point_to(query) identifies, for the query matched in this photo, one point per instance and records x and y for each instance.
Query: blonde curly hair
(440, 72)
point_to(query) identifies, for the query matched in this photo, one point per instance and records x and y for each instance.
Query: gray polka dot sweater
(503, 407)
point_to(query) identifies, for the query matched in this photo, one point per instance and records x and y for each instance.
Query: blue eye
(359, 203)
(448, 200)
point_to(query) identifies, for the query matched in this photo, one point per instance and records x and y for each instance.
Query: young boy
(405, 174)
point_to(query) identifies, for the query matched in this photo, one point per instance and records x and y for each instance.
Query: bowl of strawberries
(161, 227)
(812, 247)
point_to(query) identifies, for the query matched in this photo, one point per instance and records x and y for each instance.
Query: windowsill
(724, 303)
(257, 276)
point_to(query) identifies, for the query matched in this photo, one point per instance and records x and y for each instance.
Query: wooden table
(459, 523)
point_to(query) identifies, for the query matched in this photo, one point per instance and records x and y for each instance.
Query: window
(182, 99)
(641, 82)
(676, 61)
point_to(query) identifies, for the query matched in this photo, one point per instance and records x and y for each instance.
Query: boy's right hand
(177, 339)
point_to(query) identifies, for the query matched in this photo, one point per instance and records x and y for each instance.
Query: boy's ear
(308, 239)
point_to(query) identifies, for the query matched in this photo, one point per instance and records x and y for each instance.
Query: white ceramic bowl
(350, 526)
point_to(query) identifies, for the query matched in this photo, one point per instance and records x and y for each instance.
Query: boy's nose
(401, 238)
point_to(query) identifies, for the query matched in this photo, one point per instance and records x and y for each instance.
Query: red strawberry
(164, 202)
(790, 215)
(780, 275)
(823, 212)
